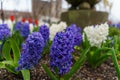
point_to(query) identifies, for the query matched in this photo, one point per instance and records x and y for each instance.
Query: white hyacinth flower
(63, 25)
(54, 28)
(31, 27)
(97, 34)
(10, 24)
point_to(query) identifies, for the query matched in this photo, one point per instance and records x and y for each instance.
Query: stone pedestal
(84, 17)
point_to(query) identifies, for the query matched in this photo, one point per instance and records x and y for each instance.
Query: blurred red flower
(23, 19)
(36, 22)
(12, 18)
(30, 20)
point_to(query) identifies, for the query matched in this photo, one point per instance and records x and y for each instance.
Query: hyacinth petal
(4, 31)
(23, 28)
(31, 51)
(76, 31)
(60, 55)
(44, 30)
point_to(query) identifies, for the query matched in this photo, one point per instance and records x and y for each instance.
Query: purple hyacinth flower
(77, 34)
(31, 51)
(44, 30)
(60, 53)
(4, 31)
(23, 28)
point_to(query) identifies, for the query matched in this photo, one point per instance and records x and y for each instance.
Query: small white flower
(10, 24)
(63, 25)
(54, 28)
(97, 34)
(31, 27)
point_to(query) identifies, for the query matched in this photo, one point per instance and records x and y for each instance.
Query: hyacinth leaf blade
(47, 70)
(47, 47)
(77, 65)
(90, 58)
(35, 29)
(116, 45)
(26, 74)
(101, 58)
(16, 51)
(18, 38)
(85, 42)
(114, 58)
(95, 57)
(6, 50)
(2, 65)
(11, 68)
(117, 42)
(11, 63)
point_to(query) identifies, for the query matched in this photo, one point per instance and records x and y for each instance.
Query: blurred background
(50, 10)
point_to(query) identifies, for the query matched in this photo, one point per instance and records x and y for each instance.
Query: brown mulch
(105, 71)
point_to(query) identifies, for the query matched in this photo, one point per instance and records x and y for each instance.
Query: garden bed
(104, 72)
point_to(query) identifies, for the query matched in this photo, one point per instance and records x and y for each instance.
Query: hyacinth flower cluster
(31, 51)
(60, 53)
(23, 28)
(111, 24)
(4, 31)
(77, 34)
(54, 28)
(116, 25)
(44, 30)
(97, 34)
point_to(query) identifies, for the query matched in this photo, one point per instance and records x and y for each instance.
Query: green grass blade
(51, 75)
(114, 58)
(102, 58)
(77, 65)
(6, 50)
(26, 74)
(15, 49)
(10, 68)
(2, 65)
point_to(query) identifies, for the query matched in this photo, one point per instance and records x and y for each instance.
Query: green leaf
(100, 55)
(50, 74)
(90, 58)
(16, 51)
(26, 74)
(10, 68)
(35, 29)
(6, 50)
(77, 65)
(2, 65)
(10, 62)
(114, 58)
(102, 59)
(85, 41)
(18, 38)
(116, 42)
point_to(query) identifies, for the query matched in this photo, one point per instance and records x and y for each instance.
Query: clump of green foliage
(114, 31)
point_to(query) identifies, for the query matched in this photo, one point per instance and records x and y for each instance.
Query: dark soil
(104, 72)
